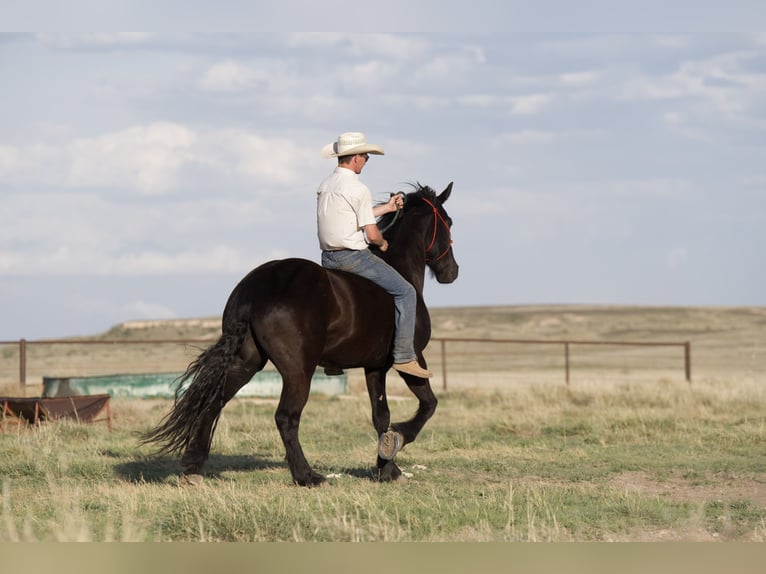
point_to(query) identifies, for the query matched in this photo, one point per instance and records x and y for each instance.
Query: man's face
(359, 161)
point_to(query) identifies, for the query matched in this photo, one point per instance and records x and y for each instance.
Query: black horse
(300, 315)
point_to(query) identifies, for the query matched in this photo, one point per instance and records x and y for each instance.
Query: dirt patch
(714, 490)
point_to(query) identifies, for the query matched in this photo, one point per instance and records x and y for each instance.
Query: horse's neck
(410, 266)
(407, 255)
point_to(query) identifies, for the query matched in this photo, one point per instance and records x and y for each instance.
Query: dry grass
(607, 461)
(627, 451)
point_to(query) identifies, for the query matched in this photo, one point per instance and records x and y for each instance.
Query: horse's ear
(444, 195)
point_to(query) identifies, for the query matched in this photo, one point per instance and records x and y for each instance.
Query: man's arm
(375, 237)
(396, 202)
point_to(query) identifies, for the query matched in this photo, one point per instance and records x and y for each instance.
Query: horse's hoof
(313, 481)
(317, 480)
(389, 444)
(191, 479)
(389, 473)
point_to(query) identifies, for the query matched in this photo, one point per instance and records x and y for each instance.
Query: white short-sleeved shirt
(344, 207)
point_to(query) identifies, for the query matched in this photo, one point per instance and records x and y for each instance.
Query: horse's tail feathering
(208, 374)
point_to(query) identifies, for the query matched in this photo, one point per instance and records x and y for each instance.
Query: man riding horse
(347, 225)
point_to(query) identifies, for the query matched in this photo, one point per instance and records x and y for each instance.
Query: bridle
(437, 218)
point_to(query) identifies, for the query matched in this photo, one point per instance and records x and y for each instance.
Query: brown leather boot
(412, 368)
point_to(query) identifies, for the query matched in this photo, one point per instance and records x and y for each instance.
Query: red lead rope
(438, 217)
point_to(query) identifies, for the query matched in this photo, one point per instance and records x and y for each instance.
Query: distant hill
(722, 337)
(524, 321)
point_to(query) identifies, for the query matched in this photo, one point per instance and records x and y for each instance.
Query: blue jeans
(367, 265)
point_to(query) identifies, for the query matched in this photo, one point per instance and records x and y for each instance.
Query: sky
(143, 174)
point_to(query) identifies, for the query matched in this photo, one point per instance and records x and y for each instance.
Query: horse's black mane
(390, 221)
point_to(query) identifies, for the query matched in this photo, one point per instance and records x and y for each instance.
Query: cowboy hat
(350, 143)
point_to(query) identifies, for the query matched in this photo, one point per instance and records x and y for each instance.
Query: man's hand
(396, 202)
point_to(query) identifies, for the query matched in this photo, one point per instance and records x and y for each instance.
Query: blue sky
(142, 174)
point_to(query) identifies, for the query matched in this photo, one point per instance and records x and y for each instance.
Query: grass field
(628, 451)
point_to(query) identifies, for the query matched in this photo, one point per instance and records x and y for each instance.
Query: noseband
(437, 218)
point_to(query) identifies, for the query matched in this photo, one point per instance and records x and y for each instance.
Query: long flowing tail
(202, 399)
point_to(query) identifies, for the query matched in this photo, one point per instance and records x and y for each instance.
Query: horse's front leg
(389, 441)
(427, 402)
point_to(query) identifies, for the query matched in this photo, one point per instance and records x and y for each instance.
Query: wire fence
(454, 361)
(558, 359)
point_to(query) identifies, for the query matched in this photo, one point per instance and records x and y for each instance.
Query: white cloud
(428, 103)
(529, 104)
(93, 39)
(482, 100)
(524, 137)
(229, 76)
(399, 47)
(158, 159)
(9, 159)
(95, 261)
(369, 75)
(451, 66)
(579, 79)
(392, 46)
(213, 259)
(673, 42)
(261, 76)
(145, 158)
(57, 233)
(255, 158)
(34, 164)
(714, 89)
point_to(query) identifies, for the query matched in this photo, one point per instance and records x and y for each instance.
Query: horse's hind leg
(198, 450)
(295, 394)
(248, 362)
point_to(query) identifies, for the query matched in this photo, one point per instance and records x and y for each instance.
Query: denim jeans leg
(367, 265)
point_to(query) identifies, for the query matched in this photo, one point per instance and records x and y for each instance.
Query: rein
(396, 214)
(438, 217)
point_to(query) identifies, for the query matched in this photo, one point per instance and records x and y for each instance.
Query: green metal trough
(161, 385)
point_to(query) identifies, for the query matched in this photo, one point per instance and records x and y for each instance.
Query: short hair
(344, 159)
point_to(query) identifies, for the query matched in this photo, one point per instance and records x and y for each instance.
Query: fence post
(444, 364)
(688, 361)
(566, 359)
(23, 362)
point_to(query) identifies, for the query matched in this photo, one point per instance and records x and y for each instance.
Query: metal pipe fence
(442, 342)
(567, 346)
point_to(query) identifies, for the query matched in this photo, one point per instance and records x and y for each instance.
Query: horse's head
(439, 256)
(424, 210)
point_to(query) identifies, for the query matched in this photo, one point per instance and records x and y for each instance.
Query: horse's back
(346, 319)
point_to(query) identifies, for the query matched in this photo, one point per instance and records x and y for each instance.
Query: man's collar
(345, 171)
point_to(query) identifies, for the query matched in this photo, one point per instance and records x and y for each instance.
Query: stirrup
(333, 371)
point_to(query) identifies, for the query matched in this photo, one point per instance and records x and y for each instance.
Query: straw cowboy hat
(350, 143)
